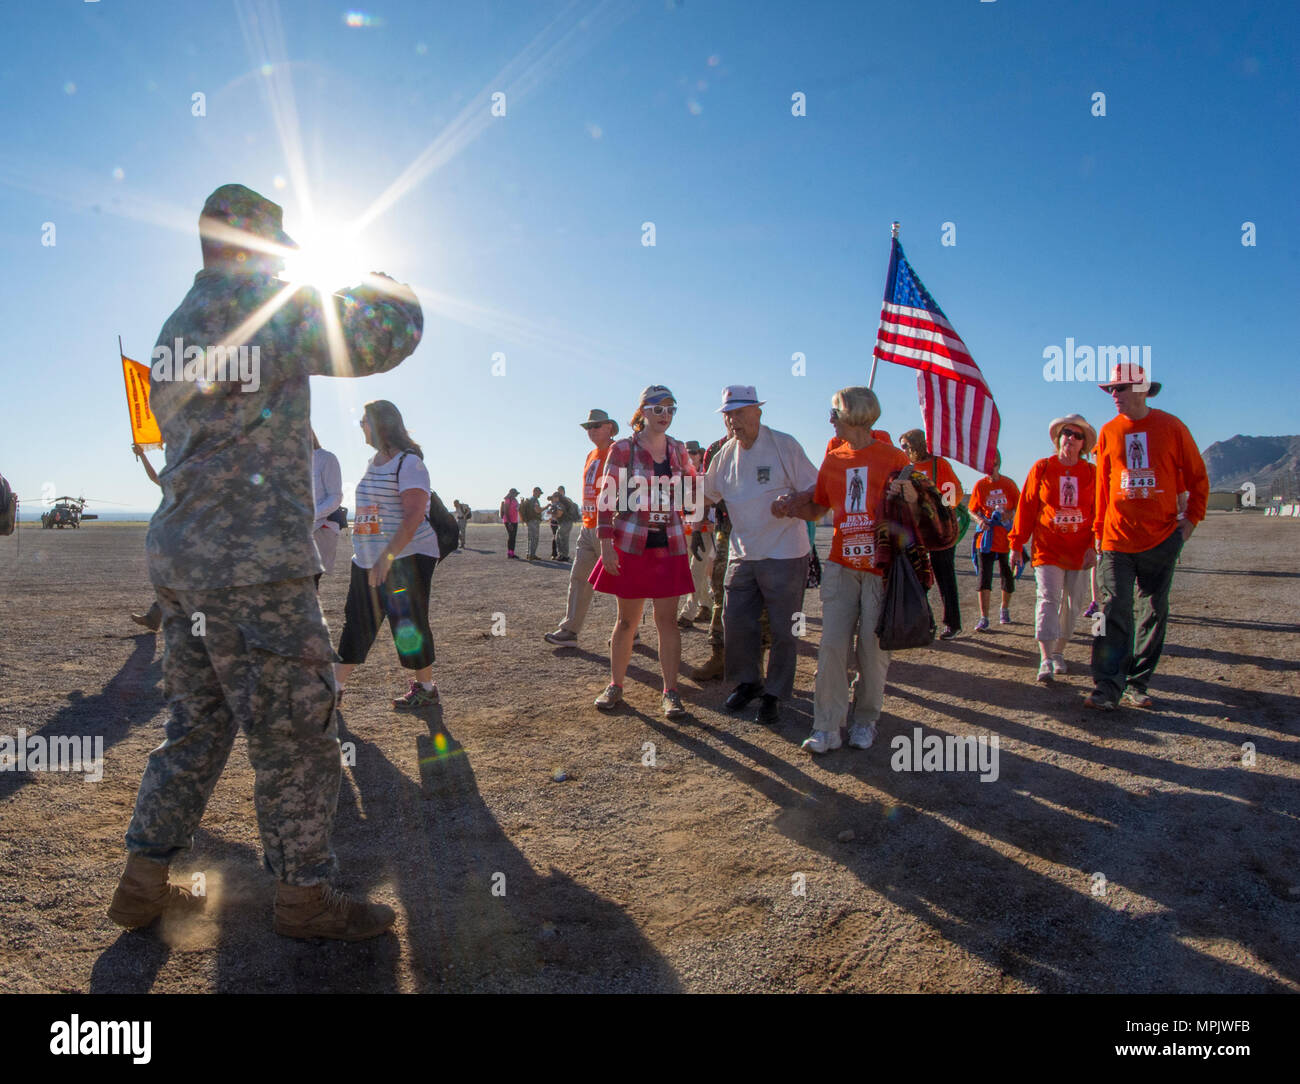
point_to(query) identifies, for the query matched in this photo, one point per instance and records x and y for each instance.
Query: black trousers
(403, 598)
(945, 578)
(512, 529)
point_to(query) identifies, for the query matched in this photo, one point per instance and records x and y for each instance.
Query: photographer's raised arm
(380, 324)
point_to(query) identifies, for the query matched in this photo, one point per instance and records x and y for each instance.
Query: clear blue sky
(523, 232)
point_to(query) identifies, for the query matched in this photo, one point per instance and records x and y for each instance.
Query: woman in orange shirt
(994, 493)
(1057, 506)
(852, 483)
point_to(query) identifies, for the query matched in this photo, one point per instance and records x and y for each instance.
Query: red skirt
(654, 573)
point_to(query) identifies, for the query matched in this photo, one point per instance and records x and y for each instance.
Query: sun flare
(328, 259)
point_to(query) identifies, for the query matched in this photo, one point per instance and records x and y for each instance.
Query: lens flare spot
(69, 88)
(362, 19)
(118, 174)
(440, 744)
(266, 412)
(267, 69)
(257, 479)
(408, 638)
(694, 108)
(421, 48)
(279, 181)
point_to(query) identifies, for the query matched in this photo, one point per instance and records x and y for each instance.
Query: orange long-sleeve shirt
(1141, 468)
(1056, 506)
(988, 496)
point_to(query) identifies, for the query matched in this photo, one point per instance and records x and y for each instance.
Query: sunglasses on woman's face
(658, 409)
(1073, 434)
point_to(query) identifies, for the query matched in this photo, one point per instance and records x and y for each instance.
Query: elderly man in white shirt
(768, 563)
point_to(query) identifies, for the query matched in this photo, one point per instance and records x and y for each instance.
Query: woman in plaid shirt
(642, 541)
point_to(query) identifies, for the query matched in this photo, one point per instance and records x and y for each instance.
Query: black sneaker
(769, 711)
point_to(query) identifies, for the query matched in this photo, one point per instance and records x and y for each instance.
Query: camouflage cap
(242, 209)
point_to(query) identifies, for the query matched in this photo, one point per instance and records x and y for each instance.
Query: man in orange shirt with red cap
(1145, 458)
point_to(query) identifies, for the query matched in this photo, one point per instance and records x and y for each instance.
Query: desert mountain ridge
(1265, 461)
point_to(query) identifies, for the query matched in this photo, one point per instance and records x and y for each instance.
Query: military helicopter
(67, 512)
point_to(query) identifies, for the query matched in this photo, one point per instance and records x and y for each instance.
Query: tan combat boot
(321, 910)
(711, 669)
(144, 893)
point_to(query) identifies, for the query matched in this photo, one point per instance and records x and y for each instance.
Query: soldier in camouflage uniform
(722, 545)
(231, 556)
(530, 511)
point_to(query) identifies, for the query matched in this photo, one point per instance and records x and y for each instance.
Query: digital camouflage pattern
(237, 505)
(263, 661)
(230, 547)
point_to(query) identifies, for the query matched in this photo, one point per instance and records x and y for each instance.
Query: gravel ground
(1129, 852)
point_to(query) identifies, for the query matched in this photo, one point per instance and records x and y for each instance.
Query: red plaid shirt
(628, 527)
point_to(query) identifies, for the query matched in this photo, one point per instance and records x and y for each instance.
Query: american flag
(961, 419)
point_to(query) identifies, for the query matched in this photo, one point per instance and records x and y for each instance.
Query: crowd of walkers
(723, 533)
(1123, 520)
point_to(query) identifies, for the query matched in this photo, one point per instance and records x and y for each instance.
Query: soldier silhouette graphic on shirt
(1069, 493)
(857, 489)
(1137, 451)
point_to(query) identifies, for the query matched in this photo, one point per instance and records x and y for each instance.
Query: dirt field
(681, 876)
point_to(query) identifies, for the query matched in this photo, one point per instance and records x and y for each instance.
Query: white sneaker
(862, 737)
(1045, 669)
(821, 742)
(1058, 664)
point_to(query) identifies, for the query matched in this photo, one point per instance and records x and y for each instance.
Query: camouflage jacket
(237, 506)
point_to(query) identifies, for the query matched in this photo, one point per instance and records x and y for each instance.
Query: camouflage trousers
(257, 657)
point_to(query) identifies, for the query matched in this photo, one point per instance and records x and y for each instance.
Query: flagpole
(871, 381)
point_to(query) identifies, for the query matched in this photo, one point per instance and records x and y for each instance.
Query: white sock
(427, 686)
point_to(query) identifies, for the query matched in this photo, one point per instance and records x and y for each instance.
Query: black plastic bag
(905, 619)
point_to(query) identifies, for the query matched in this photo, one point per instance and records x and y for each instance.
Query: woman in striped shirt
(396, 550)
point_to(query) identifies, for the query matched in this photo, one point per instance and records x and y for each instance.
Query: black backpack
(8, 508)
(443, 522)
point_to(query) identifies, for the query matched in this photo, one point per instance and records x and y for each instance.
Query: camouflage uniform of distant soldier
(231, 555)
(713, 668)
(722, 545)
(570, 514)
(530, 511)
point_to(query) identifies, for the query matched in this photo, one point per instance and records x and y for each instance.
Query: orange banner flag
(144, 426)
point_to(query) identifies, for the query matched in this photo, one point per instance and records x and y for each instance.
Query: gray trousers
(776, 585)
(534, 533)
(580, 591)
(1117, 661)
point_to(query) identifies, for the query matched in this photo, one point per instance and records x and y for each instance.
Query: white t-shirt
(749, 480)
(378, 512)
